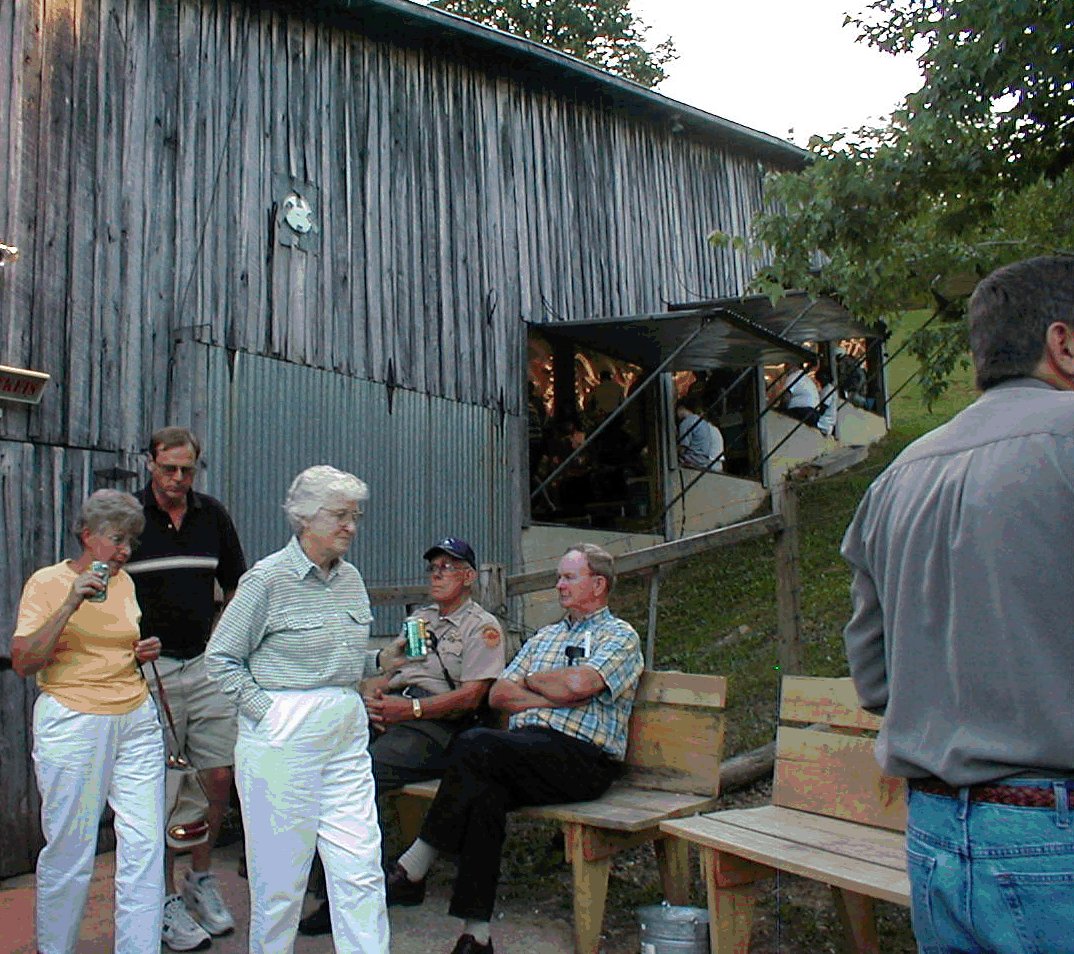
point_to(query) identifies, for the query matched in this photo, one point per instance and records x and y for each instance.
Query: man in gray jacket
(963, 558)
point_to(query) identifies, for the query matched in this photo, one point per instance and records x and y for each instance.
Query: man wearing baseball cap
(417, 709)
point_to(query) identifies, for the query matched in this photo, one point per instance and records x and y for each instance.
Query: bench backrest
(831, 770)
(676, 733)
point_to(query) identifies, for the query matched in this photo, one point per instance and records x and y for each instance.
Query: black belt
(1025, 796)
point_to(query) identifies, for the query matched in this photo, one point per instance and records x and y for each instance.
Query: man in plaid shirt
(569, 692)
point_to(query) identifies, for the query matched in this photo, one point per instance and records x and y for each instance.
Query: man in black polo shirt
(188, 546)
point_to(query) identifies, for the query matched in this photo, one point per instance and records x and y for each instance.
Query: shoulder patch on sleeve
(491, 636)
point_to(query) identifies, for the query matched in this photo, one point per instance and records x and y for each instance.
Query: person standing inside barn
(962, 554)
(188, 547)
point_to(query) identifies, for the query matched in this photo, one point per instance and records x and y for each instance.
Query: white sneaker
(181, 932)
(207, 907)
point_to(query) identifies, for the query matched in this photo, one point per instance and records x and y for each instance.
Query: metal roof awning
(795, 316)
(704, 337)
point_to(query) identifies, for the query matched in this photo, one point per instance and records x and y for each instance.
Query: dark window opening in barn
(727, 398)
(613, 483)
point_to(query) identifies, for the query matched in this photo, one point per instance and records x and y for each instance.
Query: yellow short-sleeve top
(93, 669)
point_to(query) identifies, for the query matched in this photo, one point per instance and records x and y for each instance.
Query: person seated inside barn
(700, 441)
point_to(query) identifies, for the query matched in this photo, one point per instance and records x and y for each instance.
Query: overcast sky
(777, 65)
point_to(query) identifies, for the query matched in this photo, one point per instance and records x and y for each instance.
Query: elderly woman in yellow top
(96, 734)
(290, 649)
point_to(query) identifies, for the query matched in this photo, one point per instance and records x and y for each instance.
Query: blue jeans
(991, 878)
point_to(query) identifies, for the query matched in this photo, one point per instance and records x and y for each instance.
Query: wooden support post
(654, 596)
(788, 579)
(590, 889)
(491, 593)
(411, 812)
(492, 588)
(859, 921)
(673, 862)
(732, 896)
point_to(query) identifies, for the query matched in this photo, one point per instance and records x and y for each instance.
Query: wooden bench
(672, 770)
(834, 818)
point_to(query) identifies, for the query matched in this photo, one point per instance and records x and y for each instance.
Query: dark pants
(807, 415)
(491, 772)
(410, 752)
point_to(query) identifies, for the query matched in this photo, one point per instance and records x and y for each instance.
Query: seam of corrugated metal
(434, 466)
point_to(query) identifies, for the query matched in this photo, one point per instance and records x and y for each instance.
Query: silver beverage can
(102, 571)
(414, 630)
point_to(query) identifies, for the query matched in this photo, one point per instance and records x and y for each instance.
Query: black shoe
(467, 945)
(400, 890)
(316, 922)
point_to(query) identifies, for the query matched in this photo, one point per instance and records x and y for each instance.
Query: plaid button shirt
(614, 650)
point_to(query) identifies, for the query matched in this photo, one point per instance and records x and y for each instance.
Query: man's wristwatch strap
(415, 705)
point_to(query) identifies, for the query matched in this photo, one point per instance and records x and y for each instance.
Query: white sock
(479, 930)
(418, 859)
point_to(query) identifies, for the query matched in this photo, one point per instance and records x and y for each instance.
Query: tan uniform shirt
(469, 642)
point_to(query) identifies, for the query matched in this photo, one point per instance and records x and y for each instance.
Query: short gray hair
(599, 560)
(113, 510)
(1010, 312)
(314, 487)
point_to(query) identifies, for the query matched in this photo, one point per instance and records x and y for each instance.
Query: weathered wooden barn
(316, 232)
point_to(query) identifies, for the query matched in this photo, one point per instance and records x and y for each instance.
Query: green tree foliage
(976, 169)
(604, 33)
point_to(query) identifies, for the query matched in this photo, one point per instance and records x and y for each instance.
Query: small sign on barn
(19, 384)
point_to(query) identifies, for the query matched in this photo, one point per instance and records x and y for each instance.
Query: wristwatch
(415, 705)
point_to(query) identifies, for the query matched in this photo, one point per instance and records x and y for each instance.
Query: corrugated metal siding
(433, 466)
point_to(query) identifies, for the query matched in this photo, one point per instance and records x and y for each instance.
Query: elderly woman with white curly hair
(290, 650)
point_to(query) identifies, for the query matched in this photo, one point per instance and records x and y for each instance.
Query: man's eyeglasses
(174, 470)
(443, 569)
(345, 516)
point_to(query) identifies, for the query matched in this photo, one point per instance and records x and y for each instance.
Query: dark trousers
(491, 772)
(808, 415)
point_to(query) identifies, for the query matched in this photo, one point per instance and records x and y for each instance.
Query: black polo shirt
(174, 571)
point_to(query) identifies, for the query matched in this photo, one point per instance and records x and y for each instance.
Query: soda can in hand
(414, 630)
(102, 571)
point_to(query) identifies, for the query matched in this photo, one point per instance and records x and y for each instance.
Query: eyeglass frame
(176, 470)
(343, 517)
(446, 569)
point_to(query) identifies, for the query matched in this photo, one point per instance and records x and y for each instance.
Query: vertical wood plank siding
(148, 146)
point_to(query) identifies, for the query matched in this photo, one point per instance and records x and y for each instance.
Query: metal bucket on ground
(673, 929)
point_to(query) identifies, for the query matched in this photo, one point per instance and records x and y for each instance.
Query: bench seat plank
(800, 848)
(621, 808)
(883, 846)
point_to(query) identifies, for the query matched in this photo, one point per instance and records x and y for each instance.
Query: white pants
(305, 782)
(82, 761)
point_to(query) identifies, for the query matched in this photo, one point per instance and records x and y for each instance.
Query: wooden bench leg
(732, 897)
(590, 889)
(673, 861)
(411, 812)
(859, 921)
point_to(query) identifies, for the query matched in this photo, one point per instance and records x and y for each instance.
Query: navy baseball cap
(455, 547)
